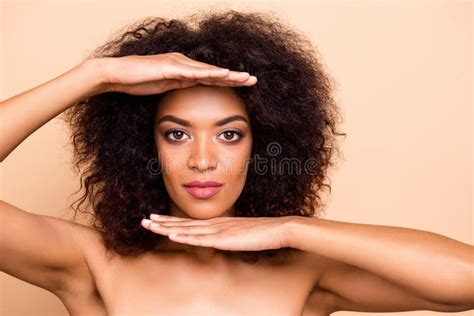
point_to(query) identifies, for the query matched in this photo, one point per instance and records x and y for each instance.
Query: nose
(203, 155)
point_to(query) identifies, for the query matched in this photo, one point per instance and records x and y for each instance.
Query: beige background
(404, 74)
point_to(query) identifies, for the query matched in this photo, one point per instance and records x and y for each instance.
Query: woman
(233, 163)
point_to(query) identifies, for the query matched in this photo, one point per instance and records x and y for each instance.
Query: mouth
(203, 192)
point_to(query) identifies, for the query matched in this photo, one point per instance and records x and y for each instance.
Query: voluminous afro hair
(292, 113)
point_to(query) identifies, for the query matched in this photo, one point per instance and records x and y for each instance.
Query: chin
(204, 215)
(200, 217)
(205, 212)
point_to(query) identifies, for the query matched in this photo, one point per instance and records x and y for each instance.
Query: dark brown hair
(292, 113)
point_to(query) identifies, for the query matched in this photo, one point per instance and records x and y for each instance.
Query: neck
(200, 253)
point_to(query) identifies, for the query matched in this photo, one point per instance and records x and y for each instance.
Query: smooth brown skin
(68, 259)
(203, 151)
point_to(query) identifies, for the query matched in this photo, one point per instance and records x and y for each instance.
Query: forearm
(435, 267)
(22, 114)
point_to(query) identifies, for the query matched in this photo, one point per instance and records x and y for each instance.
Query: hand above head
(154, 74)
(225, 233)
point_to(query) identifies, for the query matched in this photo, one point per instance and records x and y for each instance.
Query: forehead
(201, 103)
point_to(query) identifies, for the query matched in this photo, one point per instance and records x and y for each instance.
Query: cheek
(234, 167)
(171, 163)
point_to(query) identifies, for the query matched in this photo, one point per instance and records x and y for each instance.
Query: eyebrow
(222, 122)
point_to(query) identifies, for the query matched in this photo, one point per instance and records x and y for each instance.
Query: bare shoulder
(319, 301)
(89, 237)
(314, 263)
(81, 278)
(80, 291)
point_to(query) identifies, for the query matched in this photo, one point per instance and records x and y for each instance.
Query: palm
(155, 74)
(226, 233)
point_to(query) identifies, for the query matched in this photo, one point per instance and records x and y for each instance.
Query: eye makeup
(175, 132)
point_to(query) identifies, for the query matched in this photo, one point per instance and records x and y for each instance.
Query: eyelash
(227, 131)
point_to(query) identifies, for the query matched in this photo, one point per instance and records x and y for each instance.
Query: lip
(202, 184)
(203, 193)
(203, 189)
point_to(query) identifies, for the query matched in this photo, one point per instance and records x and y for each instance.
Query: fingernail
(244, 73)
(146, 222)
(154, 216)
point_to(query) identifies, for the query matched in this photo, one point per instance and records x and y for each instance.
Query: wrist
(296, 227)
(97, 70)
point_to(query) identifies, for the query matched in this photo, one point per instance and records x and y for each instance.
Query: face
(203, 133)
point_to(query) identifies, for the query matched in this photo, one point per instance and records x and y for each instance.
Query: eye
(177, 133)
(228, 136)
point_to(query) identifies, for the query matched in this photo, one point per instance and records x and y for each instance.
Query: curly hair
(292, 113)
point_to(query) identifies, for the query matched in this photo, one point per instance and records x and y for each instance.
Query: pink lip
(203, 193)
(202, 184)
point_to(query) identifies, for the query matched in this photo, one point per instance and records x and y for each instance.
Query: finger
(199, 64)
(239, 77)
(251, 80)
(218, 83)
(191, 229)
(227, 74)
(180, 84)
(166, 217)
(191, 72)
(173, 220)
(182, 223)
(204, 240)
(234, 75)
(147, 223)
(192, 62)
(232, 83)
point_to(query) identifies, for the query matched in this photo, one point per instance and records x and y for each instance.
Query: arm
(22, 114)
(344, 287)
(433, 267)
(42, 250)
(38, 249)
